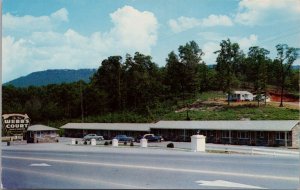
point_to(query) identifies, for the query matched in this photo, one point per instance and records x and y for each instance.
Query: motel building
(241, 132)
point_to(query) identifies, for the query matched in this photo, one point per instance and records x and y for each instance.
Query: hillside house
(241, 96)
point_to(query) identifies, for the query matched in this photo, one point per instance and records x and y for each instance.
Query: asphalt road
(120, 169)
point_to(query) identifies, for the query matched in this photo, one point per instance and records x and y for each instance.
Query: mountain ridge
(52, 76)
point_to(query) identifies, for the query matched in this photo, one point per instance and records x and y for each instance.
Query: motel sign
(15, 123)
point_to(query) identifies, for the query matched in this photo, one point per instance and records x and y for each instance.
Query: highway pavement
(131, 168)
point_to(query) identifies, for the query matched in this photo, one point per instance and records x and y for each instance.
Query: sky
(73, 34)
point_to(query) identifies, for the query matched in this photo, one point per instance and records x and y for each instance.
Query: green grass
(237, 113)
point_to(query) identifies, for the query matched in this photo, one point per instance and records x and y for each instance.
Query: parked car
(92, 136)
(124, 138)
(151, 138)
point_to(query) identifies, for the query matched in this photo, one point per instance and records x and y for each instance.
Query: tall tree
(190, 56)
(182, 70)
(142, 81)
(174, 74)
(109, 79)
(286, 56)
(258, 68)
(228, 57)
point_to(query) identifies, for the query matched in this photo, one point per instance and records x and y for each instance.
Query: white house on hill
(241, 96)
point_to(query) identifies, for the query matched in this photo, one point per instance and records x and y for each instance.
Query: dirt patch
(219, 104)
(202, 106)
(286, 98)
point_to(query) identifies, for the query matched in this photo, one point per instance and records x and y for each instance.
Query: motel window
(280, 136)
(225, 134)
(38, 134)
(244, 135)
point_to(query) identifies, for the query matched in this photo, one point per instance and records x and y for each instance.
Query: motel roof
(239, 125)
(109, 126)
(41, 128)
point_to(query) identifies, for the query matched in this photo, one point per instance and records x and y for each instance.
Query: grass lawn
(213, 106)
(252, 112)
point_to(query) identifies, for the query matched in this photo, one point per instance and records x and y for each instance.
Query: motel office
(261, 133)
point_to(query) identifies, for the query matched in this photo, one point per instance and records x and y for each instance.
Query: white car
(92, 136)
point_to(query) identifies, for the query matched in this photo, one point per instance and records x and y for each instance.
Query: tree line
(135, 83)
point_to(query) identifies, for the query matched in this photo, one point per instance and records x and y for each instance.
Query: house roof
(109, 126)
(247, 125)
(241, 92)
(41, 128)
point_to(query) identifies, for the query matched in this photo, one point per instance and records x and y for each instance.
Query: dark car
(151, 138)
(124, 138)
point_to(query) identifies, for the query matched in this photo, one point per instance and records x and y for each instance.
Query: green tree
(109, 79)
(190, 56)
(185, 71)
(174, 74)
(258, 70)
(142, 81)
(286, 56)
(227, 60)
(12, 100)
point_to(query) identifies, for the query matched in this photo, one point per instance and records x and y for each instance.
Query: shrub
(170, 145)
(131, 144)
(110, 142)
(106, 143)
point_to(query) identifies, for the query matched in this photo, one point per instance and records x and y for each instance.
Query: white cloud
(134, 30)
(252, 12)
(185, 23)
(30, 23)
(61, 15)
(247, 42)
(44, 48)
(209, 48)
(48, 50)
(217, 20)
(13, 55)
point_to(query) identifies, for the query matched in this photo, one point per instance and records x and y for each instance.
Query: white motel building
(248, 132)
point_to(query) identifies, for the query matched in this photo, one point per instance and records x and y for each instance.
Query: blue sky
(74, 34)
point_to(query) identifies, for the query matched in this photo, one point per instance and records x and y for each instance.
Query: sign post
(15, 124)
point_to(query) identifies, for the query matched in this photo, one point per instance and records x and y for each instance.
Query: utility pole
(81, 102)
